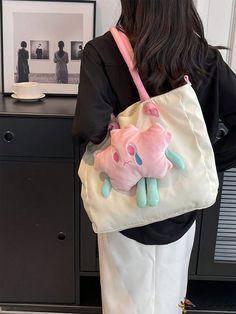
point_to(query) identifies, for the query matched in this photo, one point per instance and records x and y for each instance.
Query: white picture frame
(35, 29)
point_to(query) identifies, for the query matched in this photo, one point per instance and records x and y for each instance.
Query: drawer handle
(61, 236)
(8, 136)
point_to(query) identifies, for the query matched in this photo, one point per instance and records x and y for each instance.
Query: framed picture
(43, 41)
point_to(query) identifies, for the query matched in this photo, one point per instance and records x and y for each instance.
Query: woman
(23, 66)
(61, 59)
(145, 270)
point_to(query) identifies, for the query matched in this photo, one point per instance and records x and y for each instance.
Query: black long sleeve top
(106, 86)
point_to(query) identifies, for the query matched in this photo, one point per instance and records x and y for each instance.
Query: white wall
(219, 19)
(107, 15)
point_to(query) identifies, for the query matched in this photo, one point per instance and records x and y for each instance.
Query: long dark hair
(168, 40)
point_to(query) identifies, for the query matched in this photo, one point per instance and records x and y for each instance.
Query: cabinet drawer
(36, 137)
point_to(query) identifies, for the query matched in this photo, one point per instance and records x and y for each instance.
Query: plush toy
(137, 157)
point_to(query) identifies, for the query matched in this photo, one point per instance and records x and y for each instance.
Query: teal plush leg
(141, 194)
(106, 187)
(152, 192)
(175, 158)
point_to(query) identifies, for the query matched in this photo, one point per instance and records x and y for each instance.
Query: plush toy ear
(150, 135)
(157, 128)
(166, 134)
(156, 134)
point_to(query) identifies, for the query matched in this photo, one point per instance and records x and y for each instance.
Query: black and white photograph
(46, 46)
(76, 50)
(39, 49)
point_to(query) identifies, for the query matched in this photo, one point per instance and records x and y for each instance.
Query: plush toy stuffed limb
(152, 192)
(106, 187)
(147, 188)
(141, 193)
(175, 159)
(147, 193)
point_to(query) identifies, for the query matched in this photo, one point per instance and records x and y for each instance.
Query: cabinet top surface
(50, 106)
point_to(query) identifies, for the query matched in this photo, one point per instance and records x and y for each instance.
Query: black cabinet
(217, 254)
(37, 205)
(49, 254)
(36, 232)
(89, 265)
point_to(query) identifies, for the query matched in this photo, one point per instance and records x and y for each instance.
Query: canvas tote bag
(180, 191)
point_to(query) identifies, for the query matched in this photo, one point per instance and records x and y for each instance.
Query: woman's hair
(168, 41)
(23, 44)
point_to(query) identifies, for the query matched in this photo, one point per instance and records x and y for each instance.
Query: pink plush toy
(134, 154)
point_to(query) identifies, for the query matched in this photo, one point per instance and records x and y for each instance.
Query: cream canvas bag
(180, 191)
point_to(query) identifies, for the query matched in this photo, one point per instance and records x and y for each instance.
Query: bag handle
(127, 53)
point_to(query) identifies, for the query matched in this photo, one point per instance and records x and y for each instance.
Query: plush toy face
(134, 154)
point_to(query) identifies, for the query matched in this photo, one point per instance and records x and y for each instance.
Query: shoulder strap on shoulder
(127, 52)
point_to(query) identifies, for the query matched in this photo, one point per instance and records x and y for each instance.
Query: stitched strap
(127, 52)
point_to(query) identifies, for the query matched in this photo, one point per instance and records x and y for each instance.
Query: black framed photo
(43, 41)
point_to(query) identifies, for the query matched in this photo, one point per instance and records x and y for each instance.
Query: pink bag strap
(127, 52)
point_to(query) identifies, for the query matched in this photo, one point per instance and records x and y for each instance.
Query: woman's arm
(67, 57)
(225, 148)
(95, 99)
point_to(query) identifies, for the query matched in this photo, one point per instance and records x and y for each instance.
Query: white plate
(27, 98)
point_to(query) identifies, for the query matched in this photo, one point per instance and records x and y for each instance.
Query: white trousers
(143, 279)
